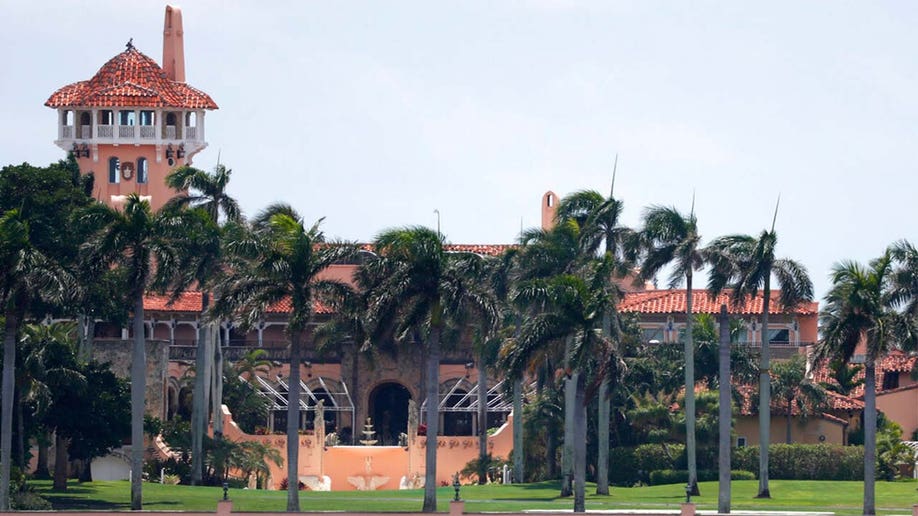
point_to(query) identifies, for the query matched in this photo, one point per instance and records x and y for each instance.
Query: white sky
(374, 114)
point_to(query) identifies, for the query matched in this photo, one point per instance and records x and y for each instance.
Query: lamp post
(456, 486)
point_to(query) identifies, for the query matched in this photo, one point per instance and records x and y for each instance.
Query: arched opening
(172, 397)
(191, 119)
(85, 118)
(67, 117)
(113, 168)
(142, 168)
(389, 410)
(185, 402)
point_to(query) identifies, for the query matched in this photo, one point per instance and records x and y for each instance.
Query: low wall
(352, 468)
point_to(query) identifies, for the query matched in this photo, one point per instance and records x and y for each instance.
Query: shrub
(680, 476)
(805, 461)
(651, 457)
(623, 469)
(29, 501)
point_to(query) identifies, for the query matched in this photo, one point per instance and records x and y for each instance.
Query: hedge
(805, 461)
(680, 476)
(629, 466)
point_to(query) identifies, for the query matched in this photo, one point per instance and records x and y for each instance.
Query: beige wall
(802, 432)
(901, 406)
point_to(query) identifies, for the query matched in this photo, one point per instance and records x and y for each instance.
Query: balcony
(137, 128)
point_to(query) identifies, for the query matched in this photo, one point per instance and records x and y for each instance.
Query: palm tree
(861, 312)
(575, 309)
(251, 364)
(155, 251)
(280, 258)
(791, 387)
(599, 220)
(25, 273)
(671, 238)
(747, 264)
(546, 253)
(208, 193)
(414, 290)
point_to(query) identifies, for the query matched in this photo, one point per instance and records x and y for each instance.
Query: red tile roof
(130, 79)
(673, 301)
(895, 361)
(191, 302)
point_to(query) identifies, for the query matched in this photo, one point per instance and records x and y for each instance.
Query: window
(191, 119)
(67, 117)
(170, 118)
(740, 442)
(106, 117)
(890, 380)
(147, 117)
(126, 118)
(142, 170)
(778, 335)
(651, 334)
(114, 167)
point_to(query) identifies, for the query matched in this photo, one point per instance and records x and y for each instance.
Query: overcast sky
(375, 114)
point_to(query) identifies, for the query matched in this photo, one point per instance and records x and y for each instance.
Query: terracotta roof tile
(130, 79)
(191, 302)
(673, 301)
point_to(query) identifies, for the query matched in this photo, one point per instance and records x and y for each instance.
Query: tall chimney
(549, 208)
(174, 45)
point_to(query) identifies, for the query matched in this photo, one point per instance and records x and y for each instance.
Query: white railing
(105, 131)
(170, 132)
(67, 132)
(191, 133)
(85, 132)
(125, 131)
(147, 131)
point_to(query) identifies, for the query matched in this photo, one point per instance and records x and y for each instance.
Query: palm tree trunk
(482, 422)
(602, 435)
(690, 389)
(580, 438)
(11, 326)
(725, 414)
(764, 395)
(218, 383)
(20, 431)
(787, 437)
(518, 473)
(870, 437)
(433, 420)
(603, 415)
(41, 471)
(60, 463)
(551, 446)
(199, 402)
(293, 424)
(567, 451)
(138, 390)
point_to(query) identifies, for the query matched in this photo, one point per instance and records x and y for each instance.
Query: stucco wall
(118, 353)
(804, 432)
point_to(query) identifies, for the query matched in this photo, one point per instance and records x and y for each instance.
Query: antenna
(614, 170)
(775, 219)
(218, 156)
(692, 211)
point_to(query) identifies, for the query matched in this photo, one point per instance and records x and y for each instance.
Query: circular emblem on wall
(127, 171)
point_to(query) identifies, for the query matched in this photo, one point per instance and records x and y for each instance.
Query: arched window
(85, 118)
(191, 119)
(142, 170)
(114, 167)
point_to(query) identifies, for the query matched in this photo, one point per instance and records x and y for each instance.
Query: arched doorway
(389, 410)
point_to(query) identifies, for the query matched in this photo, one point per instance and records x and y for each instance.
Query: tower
(134, 121)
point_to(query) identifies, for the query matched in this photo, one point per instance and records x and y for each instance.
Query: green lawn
(839, 497)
